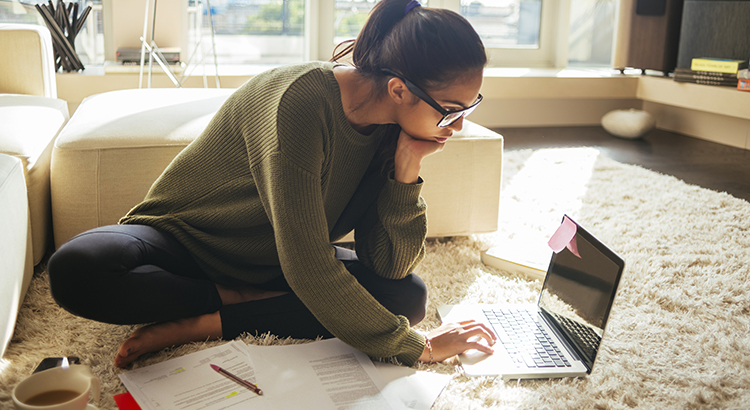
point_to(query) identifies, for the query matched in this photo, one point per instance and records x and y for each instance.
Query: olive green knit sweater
(276, 176)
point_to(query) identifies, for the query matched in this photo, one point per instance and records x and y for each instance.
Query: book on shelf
(731, 82)
(743, 84)
(719, 65)
(686, 72)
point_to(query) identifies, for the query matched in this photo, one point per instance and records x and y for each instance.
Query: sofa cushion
(30, 123)
(29, 127)
(141, 118)
(16, 268)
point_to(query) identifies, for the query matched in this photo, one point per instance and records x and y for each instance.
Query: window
(511, 30)
(544, 33)
(516, 33)
(591, 37)
(247, 31)
(89, 41)
(350, 16)
(12, 11)
(521, 33)
(505, 23)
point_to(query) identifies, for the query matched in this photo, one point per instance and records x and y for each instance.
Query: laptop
(560, 336)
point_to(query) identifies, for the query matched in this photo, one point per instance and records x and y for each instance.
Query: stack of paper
(327, 374)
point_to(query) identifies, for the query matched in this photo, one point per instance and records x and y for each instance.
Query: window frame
(553, 39)
(553, 36)
(319, 34)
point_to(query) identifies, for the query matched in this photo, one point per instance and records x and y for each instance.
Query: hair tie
(410, 5)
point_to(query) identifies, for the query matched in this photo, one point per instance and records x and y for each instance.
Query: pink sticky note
(565, 237)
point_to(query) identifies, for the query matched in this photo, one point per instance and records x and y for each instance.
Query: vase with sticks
(64, 23)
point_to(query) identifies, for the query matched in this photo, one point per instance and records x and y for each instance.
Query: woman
(235, 236)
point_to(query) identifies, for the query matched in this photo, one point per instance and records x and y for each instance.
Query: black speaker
(654, 34)
(650, 7)
(714, 28)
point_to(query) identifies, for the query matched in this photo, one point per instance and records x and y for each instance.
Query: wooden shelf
(707, 98)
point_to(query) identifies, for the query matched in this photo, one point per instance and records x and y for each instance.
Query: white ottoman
(29, 127)
(16, 268)
(115, 146)
(118, 143)
(462, 183)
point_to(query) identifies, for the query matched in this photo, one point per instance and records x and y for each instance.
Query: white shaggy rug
(679, 335)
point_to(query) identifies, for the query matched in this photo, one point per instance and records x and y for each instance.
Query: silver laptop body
(561, 334)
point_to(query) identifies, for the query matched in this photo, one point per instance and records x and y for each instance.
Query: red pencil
(245, 383)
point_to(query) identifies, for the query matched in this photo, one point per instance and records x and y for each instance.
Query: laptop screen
(579, 290)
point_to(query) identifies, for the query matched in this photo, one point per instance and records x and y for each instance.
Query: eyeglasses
(449, 117)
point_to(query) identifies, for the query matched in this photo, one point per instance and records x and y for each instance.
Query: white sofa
(30, 118)
(116, 144)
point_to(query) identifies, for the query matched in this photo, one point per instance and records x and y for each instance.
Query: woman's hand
(451, 339)
(409, 154)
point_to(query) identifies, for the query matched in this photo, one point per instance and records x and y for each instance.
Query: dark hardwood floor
(695, 161)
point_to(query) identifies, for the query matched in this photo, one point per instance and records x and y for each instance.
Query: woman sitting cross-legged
(236, 234)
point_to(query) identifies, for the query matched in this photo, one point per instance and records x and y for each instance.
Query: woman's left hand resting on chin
(409, 155)
(451, 339)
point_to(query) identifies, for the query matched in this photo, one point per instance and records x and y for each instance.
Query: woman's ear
(397, 90)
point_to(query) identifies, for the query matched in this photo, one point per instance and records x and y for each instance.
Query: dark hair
(432, 47)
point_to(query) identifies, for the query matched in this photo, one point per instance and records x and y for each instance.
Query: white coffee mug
(71, 387)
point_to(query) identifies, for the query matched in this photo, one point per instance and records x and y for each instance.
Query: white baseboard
(707, 126)
(498, 113)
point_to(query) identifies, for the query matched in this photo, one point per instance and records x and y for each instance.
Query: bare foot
(239, 294)
(162, 335)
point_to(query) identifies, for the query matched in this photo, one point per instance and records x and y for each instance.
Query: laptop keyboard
(587, 339)
(524, 339)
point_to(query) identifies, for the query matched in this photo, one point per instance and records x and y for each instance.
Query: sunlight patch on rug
(4, 365)
(536, 183)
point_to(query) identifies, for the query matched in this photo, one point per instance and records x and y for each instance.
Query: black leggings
(128, 274)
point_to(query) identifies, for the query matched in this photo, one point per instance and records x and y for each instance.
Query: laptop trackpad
(476, 363)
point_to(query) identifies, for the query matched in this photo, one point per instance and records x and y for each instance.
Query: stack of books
(712, 71)
(743, 80)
